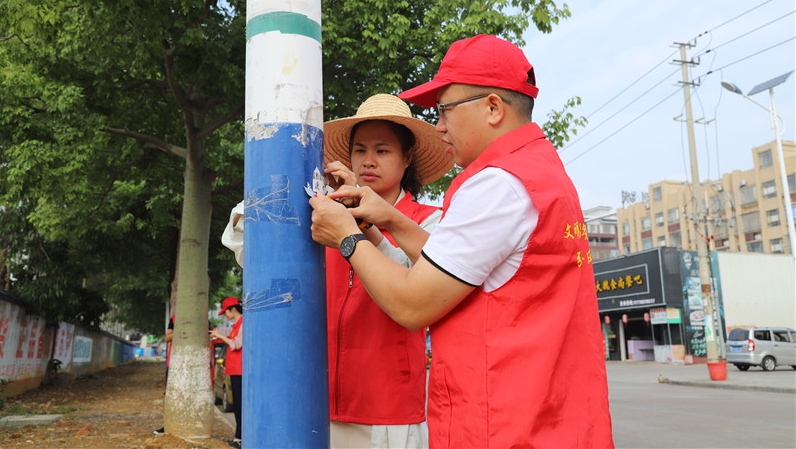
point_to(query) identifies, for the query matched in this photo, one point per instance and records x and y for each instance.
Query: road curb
(28, 420)
(223, 418)
(728, 386)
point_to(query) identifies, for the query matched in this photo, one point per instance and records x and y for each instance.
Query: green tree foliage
(121, 123)
(107, 109)
(380, 46)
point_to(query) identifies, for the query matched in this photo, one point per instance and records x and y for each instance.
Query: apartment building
(601, 228)
(745, 210)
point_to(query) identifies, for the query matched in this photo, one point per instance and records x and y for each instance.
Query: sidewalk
(781, 380)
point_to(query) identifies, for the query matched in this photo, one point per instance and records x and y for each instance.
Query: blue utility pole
(285, 398)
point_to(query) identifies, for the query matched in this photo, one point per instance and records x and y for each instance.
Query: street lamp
(770, 84)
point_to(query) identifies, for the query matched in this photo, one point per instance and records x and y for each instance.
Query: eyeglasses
(441, 108)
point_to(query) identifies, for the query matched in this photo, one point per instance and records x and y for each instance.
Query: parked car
(222, 389)
(765, 347)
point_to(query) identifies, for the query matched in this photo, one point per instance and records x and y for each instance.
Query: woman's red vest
(522, 366)
(377, 368)
(233, 364)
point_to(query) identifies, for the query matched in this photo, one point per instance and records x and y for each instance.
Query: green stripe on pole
(285, 23)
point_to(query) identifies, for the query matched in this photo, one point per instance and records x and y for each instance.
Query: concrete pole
(772, 110)
(700, 220)
(285, 397)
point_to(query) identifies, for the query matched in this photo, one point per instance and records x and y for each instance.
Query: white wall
(758, 289)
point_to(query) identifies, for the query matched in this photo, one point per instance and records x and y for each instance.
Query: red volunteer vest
(233, 365)
(377, 368)
(522, 366)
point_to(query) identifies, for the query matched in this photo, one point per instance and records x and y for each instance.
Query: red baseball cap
(228, 302)
(483, 60)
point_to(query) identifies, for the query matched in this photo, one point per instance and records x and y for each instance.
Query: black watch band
(349, 244)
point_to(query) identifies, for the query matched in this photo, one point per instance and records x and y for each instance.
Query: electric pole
(285, 395)
(700, 221)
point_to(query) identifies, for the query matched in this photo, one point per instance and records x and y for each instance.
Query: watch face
(349, 244)
(347, 247)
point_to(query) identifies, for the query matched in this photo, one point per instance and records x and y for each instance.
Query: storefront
(651, 306)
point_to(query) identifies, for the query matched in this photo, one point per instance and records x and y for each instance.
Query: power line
(699, 79)
(623, 127)
(745, 34)
(746, 57)
(734, 18)
(665, 60)
(620, 110)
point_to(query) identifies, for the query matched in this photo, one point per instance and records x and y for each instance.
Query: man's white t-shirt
(485, 231)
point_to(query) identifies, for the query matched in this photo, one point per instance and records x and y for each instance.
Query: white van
(765, 347)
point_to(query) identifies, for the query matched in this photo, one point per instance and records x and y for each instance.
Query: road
(706, 414)
(752, 409)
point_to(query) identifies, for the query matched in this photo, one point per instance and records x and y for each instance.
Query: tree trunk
(188, 408)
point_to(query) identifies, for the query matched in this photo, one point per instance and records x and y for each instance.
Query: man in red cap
(233, 363)
(505, 281)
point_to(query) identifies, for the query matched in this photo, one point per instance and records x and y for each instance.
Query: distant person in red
(169, 336)
(232, 309)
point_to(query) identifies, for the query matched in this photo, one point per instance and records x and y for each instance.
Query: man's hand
(331, 221)
(367, 205)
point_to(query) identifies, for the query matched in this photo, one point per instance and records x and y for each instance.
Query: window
(781, 335)
(792, 183)
(764, 158)
(646, 244)
(776, 246)
(674, 240)
(625, 228)
(772, 217)
(721, 229)
(626, 249)
(659, 219)
(716, 203)
(748, 194)
(674, 215)
(754, 247)
(657, 195)
(769, 189)
(751, 221)
(661, 241)
(762, 335)
(645, 223)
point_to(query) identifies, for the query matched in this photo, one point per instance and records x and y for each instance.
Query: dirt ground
(115, 408)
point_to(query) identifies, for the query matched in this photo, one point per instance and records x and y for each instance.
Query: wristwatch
(349, 244)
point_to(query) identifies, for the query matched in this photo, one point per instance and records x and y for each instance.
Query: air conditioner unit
(720, 188)
(646, 206)
(742, 183)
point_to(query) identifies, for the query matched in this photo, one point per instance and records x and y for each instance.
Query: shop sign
(628, 281)
(665, 315)
(658, 316)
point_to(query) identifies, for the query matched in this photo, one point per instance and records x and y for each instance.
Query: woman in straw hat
(377, 368)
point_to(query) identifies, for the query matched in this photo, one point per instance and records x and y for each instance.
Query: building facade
(601, 228)
(745, 210)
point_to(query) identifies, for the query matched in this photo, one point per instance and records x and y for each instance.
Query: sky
(617, 55)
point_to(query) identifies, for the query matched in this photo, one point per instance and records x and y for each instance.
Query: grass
(17, 408)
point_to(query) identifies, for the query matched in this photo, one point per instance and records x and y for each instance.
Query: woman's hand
(340, 175)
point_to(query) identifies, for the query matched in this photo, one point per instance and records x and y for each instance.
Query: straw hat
(430, 159)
